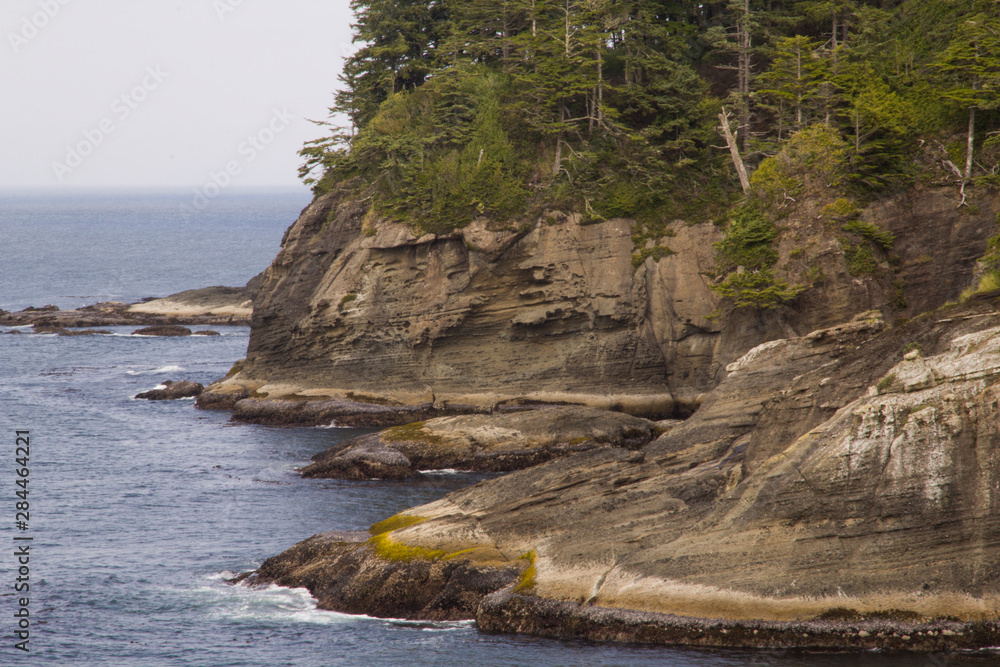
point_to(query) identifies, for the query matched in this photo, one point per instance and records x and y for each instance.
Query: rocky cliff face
(836, 485)
(836, 489)
(359, 308)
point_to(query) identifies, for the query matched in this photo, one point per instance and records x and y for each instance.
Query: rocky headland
(484, 442)
(832, 486)
(835, 490)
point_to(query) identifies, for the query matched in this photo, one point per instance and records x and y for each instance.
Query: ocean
(139, 511)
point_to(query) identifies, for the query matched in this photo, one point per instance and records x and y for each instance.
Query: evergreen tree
(399, 40)
(970, 70)
(793, 81)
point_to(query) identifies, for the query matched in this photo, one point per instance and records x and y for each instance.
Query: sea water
(140, 511)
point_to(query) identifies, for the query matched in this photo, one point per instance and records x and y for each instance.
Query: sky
(165, 93)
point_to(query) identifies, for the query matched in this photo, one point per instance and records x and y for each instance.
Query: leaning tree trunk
(734, 150)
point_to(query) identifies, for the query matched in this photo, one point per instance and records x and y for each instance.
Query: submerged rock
(163, 330)
(496, 442)
(172, 391)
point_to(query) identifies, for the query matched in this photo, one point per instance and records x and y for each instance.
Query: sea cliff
(358, 309)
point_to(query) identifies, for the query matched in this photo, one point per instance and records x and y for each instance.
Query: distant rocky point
(206, 306)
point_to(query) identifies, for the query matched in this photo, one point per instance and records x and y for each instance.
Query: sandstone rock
(361, 458)
(173, 391)
(554, 310)
(206, 332)
(410, 586)
(220, 400)
(234, 303)
(163, 330)
(299, 411)
(833, 491)
(207, 306)
(497, 443)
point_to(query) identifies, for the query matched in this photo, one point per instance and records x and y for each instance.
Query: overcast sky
(164, 93)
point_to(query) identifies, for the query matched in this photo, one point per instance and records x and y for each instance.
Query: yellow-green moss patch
(237, 367)
(411, 432)
(530, 575)
(395, 522)
(389, 549)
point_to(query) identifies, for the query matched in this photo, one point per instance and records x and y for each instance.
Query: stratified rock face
(359, 308)
(830, 484)
(553, 312)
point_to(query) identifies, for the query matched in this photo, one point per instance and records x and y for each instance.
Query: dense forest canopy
(459, 109)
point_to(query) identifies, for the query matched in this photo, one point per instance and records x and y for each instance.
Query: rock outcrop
(835, 490)
(169, 330)
(209, 305)
(226, 304)
(358, 308)
(172, 391)
(493, 443)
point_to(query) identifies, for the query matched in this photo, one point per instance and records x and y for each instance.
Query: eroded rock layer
(356, 308)
(839, 486)
(493, 443)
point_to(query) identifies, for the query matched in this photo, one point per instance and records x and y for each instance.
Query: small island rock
(163, 330)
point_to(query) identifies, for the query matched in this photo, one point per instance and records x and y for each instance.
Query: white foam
(272, 603)
(277, 604)
(156, 388)
(161, 369)
(442, 471)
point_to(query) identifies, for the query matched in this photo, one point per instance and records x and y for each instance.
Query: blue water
(71, 250)
(140, 509)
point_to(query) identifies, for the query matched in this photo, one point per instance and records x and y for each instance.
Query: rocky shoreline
(219, 306)
(831, 488)
(888, 548)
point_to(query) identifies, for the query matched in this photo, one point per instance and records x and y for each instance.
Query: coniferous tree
(970, 69)
(399, 40)
(793, 80)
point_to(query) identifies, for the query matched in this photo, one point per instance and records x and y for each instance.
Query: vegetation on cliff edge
(457, 110)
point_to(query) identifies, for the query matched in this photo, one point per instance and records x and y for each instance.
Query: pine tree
(793, 80)
(399, 41)
(737, 39)
(970, 71)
